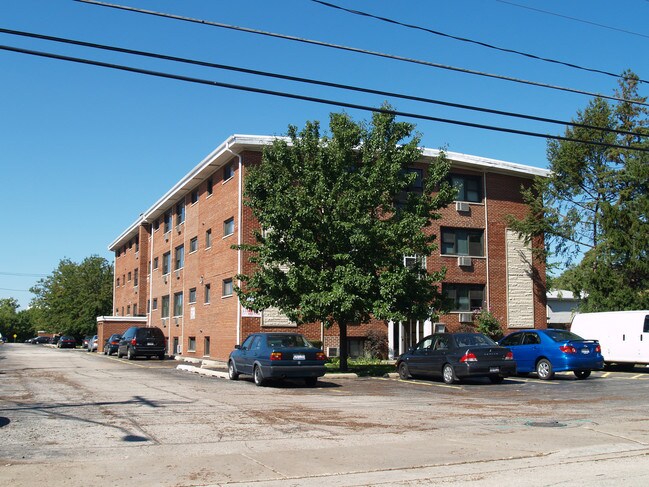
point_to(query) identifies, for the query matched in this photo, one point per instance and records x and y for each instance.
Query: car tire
(311, 381)
(582, 374)
(544, 369)
(119, 355)
(404, 373)
(161, 356)
(232, 371)
(258, 376)
(496, 379)
(129, 354)
(448, 374)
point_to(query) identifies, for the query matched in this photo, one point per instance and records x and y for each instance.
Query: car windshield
(473, 340)
(287, 341)
(562, 335)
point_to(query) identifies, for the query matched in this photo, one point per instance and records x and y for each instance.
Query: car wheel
(232, 372)
(119, 355)
(404, 373)
(496, 379)
(258, 376)
(161, 356)
(582, 374)
(544, 369)
(311, 381)
(448, 374)
(129, 354)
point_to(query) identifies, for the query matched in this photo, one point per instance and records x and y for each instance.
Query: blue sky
(84, 149)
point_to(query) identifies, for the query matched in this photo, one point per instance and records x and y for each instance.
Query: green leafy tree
(593, 210)
(338, 220)
(69, 300)
(15, 322)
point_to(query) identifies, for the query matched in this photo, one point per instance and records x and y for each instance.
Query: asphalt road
(71, 418)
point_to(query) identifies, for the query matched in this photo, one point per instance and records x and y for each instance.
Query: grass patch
(363, 367)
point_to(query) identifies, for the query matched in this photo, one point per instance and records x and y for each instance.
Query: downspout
(486, 240)
(239, 225)
(150, 281)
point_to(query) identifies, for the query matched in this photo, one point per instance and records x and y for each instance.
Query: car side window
(512, 340)
(646, 324)
(531, 339)
(246, 344)
(256, 344)
(425, 344)
(441, 343)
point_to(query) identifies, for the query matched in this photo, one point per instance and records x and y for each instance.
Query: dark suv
(142, 342)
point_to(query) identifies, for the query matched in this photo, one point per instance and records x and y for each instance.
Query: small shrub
(488, 324)
(376, 344)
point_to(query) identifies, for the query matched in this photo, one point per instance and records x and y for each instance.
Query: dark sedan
(40, 340)
(277, 356)
(66, 342)
(112, 344)
(548, 351)
(455, 356)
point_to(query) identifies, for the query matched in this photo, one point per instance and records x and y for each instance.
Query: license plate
(150, 344)
(585, 351)
(298, 356)
(494, 369)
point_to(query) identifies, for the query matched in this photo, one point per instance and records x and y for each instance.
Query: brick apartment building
(174, 266)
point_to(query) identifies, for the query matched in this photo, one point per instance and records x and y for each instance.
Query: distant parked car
(454, 356)
(40, 340)
(548, 351)
(277, 356)
(140, 341)
(84, 342)
(66, 342)
(54, 340)
(112, 344)
(92, 344)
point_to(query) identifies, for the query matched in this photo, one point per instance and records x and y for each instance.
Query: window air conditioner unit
(176, 321)
(462, 206)
(332, 351)
(164, 278)
(177, 272)
(178, 228)
(466, 317)
(464, 261)
(167, 236)
(439, 328)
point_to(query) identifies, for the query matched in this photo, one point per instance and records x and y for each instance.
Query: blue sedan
(548, 351)
(277, 356)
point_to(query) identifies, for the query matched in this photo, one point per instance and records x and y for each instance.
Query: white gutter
(239, 217)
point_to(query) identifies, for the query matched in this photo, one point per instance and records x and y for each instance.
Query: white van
(623, 335)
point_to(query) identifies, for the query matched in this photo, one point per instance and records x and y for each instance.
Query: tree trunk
(342, 327)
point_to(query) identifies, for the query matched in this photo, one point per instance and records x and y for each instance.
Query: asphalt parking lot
(68, 417)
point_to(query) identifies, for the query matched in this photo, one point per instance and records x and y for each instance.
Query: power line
(311, 81)
(354, 49)
(313, 99)
(574, 18)
(21, 274)
(470, 41)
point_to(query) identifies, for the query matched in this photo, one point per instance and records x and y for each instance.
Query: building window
(180, 213)
(155, 304)
(416, 186)
(228, 227)
(410, 261)
(194, 197)
(148, 305)
(167, 221)
(165, 306)
(128, 310)
(178, 304)
(210, 187)
(208, 238)
(192, 295)
(118, 282)
(129, 277)
(207, 294)
(464, 297)
(155, 263)
(135, 277)
(228, 171)
(462, 241)
(469, 188)
(137, 245)
(227, 287)
(191, 344)
(166, 262)
(206, 346)
(193, 245)
(135, 310)
(179, 257)
(156, 224)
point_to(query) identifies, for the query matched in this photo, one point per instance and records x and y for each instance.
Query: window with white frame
(464, 297)
(462, 241)
(228, 227)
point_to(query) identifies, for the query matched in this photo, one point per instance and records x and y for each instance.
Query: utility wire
(21, 274)
(353, 49)
(470, 41)
(312, 99)
(311, 81)
(574, 18)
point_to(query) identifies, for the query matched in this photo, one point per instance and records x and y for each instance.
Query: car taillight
(598, 349)
(568, 349)
(276, 356)
(509, 356)
(133, 342)
(320, 356)
(469, 357)
(114, 342)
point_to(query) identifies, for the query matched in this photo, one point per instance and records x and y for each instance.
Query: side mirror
(411, 349)
(237, 347)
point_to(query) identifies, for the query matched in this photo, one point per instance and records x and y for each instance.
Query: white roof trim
(238, 143)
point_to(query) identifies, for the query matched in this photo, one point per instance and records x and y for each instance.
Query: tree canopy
(14, 321)
(339, 213)
(594, 208)
(69, 300)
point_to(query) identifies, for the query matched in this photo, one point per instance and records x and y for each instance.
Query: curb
(198, 370)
